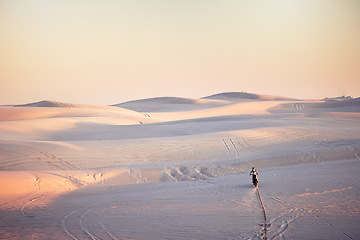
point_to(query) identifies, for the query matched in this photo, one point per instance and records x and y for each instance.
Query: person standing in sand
(254, 174)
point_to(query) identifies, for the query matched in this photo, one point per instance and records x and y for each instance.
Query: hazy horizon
(110, 52)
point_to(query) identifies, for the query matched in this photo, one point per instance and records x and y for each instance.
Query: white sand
(175, 168)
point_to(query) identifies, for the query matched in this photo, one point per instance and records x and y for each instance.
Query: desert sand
(178, 168)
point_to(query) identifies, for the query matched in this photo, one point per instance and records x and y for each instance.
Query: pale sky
(108, 52)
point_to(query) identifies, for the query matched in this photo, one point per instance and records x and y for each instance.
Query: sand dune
(54, 104)
(39, 123)
(46, 103)
(180, 166)
(240, 96)
(175, 104)
(170, 104)
(326, 105)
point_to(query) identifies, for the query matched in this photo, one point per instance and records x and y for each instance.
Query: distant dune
(169, 104)
(160, 100)
(328, 104)
(76, 112)
(46, 103)
(172, 104)
(54, 104)
(238, 96)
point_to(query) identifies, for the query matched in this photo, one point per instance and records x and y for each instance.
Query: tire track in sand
(227, 148)
(295, 208)
(296, 212)
(75, 221)
(64, 223)
(73, 224)
(263, 233)
(22, 210)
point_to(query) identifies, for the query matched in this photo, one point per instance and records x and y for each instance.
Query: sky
(108, 52)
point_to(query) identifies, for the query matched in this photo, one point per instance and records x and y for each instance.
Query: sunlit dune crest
(238, 96)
